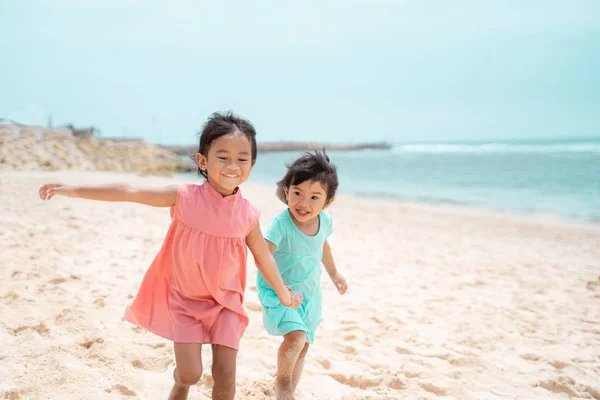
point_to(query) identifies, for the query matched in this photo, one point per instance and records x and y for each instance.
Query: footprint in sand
(397, 384)
(593, 285)
(530, 357)
(325, 363)
(455, 375)
(361, 382)
(558, 364)
(57, 281)
(124, 390)
(348, 349)
(13, 394)
(154, 364)
(259, 389)
(563, 384)
(40, 328)
(464, 361)
(156, 345)
(66, 315)
(431, 388)
(349, 326)
(89, 343)
(73, 225)
(10, 297)
(446, 356)
(401, 350)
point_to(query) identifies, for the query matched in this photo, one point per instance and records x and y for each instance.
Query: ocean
(547, 177)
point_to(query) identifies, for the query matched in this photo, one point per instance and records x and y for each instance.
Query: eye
(223, 158)
(243, 160)
(315, 198)
(297, 193)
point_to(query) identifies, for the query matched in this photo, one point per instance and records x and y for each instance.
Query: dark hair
(314, 166)
(221, 124)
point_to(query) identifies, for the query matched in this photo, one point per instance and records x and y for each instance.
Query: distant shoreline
(266, 147)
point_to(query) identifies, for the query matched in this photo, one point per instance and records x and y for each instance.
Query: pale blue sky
(338, 71)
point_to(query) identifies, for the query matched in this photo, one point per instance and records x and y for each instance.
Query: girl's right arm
(268, 268)
(123, 192)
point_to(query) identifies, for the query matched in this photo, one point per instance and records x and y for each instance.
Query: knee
(303, 352)
(296, 341)
(188, 376)
(223, 372)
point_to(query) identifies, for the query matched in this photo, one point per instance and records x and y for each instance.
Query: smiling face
(306, 200)
(228, 162)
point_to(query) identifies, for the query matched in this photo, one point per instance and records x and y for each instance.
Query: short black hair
(311, 166)
(221, 124)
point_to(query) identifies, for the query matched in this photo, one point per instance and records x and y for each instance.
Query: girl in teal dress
(297, 238)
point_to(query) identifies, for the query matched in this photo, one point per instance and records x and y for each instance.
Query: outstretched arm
(268, 268)
(122, 192)
(338, 280)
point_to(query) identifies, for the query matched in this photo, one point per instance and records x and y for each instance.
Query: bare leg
(223, 372)
(188, 370)
(299, 367)
(290, 349)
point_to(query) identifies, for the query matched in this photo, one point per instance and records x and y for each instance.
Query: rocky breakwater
(24, 147)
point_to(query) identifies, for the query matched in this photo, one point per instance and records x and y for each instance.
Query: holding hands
(295, 299)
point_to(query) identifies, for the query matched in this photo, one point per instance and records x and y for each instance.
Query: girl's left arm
(338, 280)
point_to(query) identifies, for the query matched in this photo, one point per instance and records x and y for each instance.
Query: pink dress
(194, 289)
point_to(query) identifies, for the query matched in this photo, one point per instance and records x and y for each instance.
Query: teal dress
(298, 258)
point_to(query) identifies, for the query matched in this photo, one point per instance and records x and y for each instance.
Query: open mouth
(302, 213)
(231, 175)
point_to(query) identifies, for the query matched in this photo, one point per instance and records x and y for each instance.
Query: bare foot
(283, 390)
(179, 392)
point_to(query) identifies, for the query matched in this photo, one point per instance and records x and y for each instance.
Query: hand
(295, 299)
(48, 191)
(340, 282)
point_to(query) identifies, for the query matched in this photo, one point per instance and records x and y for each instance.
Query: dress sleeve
(183, 194)
(253, 218)
(275, 232)
(329, 222)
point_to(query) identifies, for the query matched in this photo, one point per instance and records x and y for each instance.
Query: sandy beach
(443, 303)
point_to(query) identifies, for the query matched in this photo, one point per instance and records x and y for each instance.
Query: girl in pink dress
(193, 291)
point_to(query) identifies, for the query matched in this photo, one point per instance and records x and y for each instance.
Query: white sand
(443, 303)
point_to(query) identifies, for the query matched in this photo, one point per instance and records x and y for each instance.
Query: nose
(233, 164)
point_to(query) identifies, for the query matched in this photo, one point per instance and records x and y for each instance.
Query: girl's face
(228, 162)
(306, 200)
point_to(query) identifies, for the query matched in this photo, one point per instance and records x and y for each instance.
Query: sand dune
(443, 303)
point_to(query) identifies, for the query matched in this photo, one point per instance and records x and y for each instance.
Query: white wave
(498, 148)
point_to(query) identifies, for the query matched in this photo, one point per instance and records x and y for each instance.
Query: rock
(25, 147)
